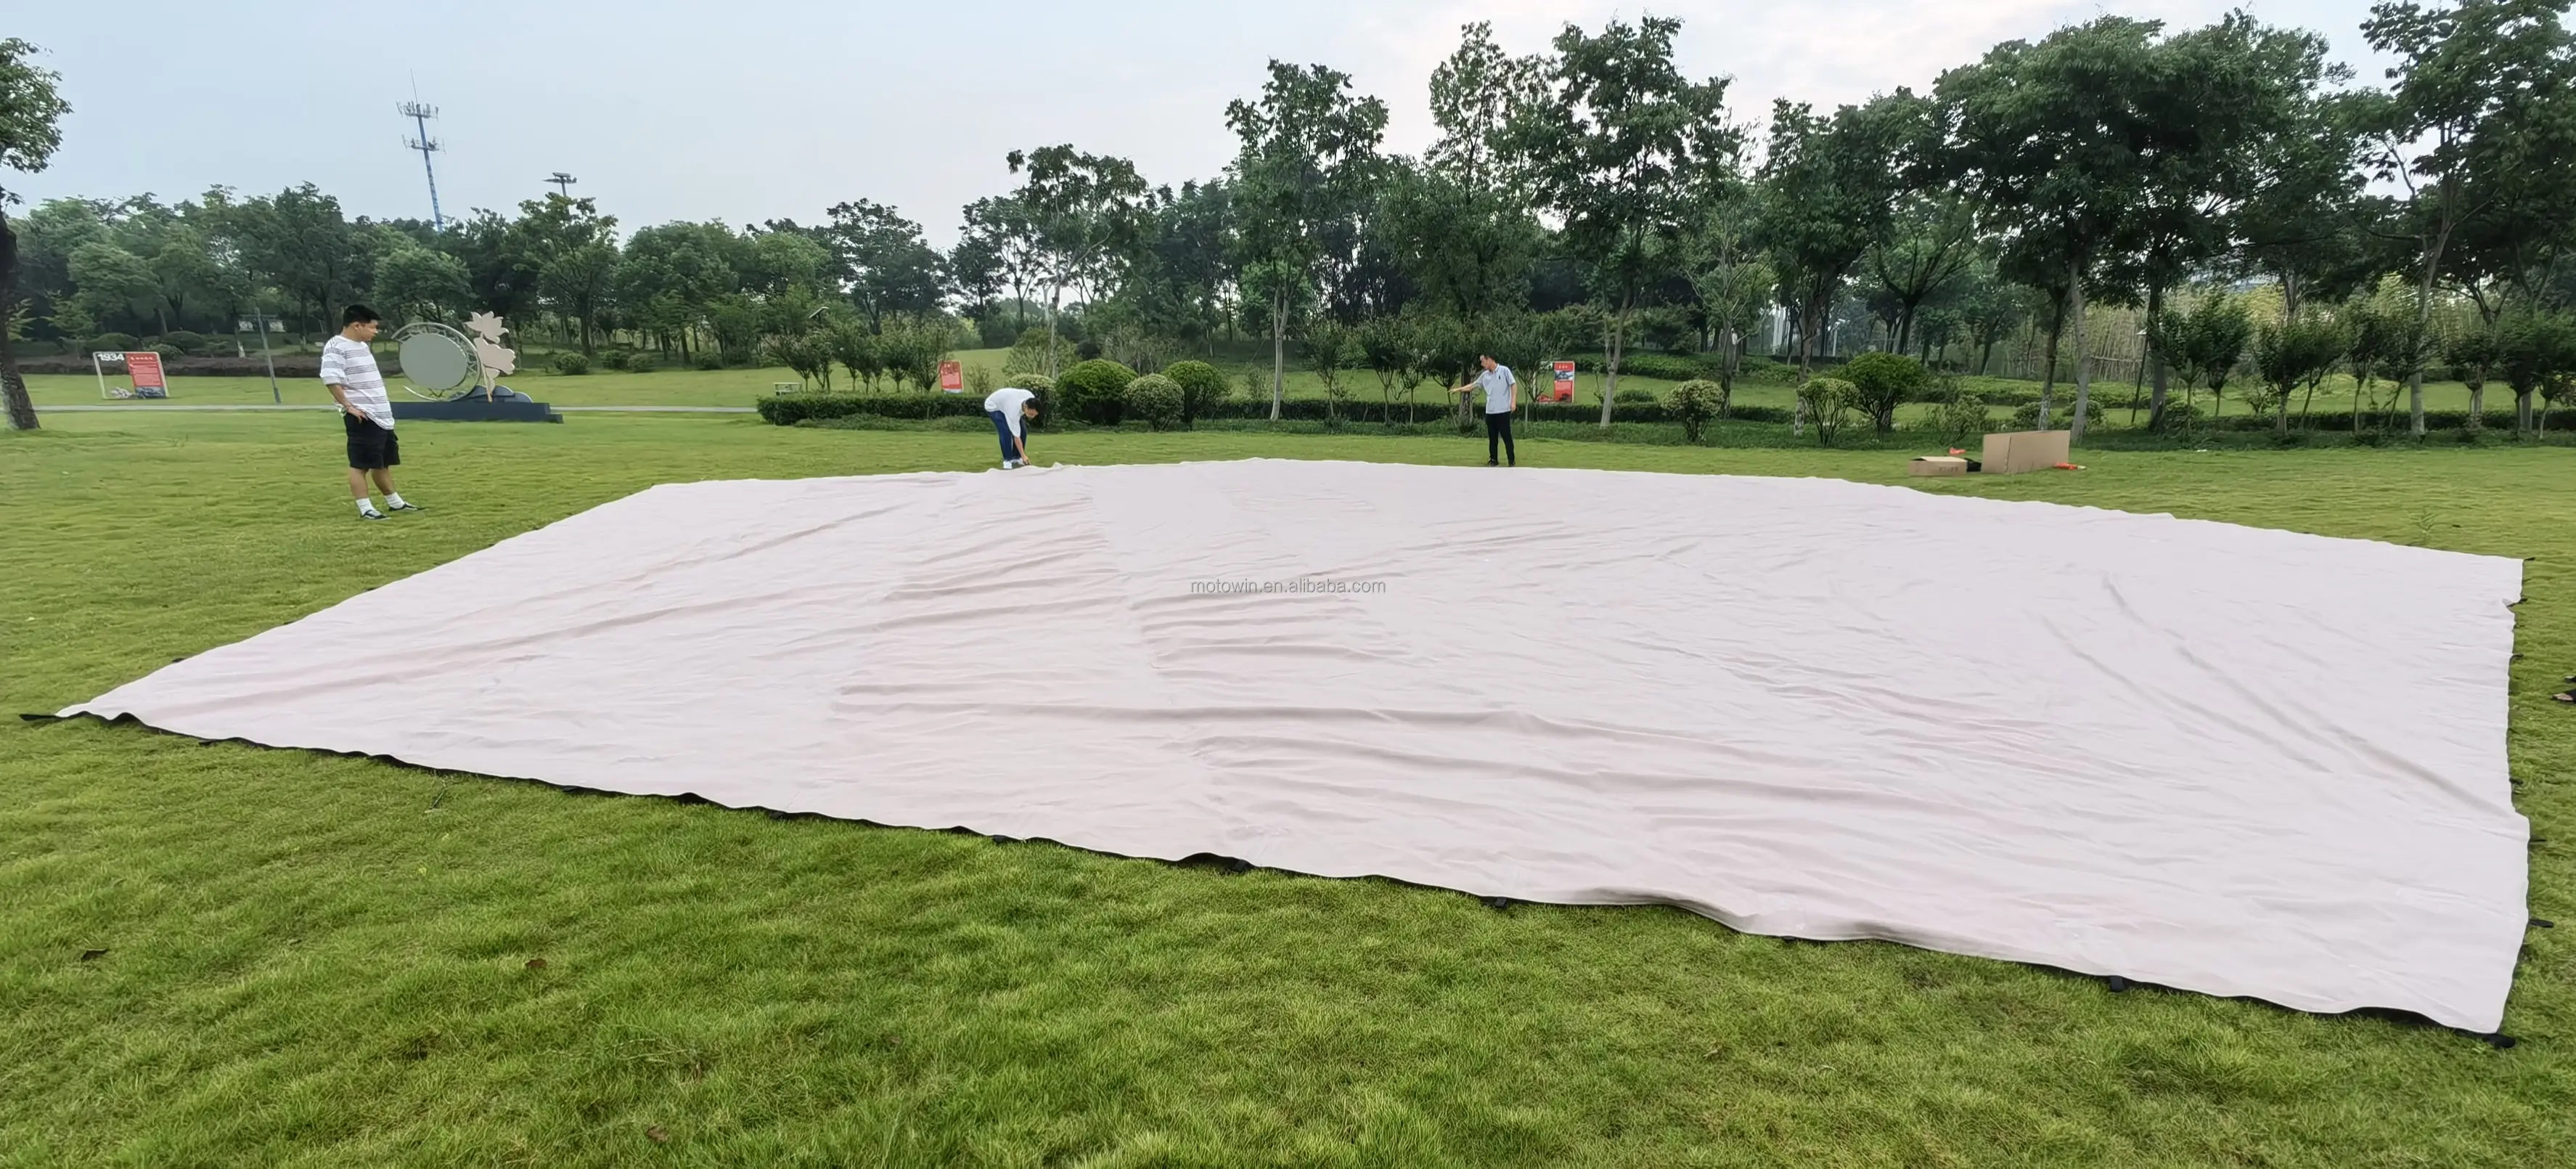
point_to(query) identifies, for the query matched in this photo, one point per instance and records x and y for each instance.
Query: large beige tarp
(2239, 761)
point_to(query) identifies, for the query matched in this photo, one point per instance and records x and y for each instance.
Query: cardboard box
(2024, 450)
(1937, 465)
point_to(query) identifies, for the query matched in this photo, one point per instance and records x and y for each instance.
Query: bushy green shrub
(1693, 403)
(1881, 382)
(186, 340)
(571, 363)
(710, 359)
(168, 352)
(1636, 396)
(1828, 401)
(643, 361)
(1155, 399)
(1202, 386)
(1960, 419)
(1095, 391)
(111, 343)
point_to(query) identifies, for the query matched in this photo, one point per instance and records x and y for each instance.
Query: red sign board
(145, 367)
(1564, 381)
(952, 378)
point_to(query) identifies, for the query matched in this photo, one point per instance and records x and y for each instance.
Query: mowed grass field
(226, 955)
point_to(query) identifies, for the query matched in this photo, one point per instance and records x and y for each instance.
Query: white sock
(366, 506)
(393, 499)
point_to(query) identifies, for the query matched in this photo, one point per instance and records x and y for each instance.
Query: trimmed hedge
(790, 409)
(1095, 391)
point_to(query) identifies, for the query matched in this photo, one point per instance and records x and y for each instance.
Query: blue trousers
(1012, 447)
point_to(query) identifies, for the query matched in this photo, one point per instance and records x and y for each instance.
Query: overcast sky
(758, 109)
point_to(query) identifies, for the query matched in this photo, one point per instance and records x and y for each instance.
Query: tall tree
(1730, 275)
(298, 241)
(1827, 188)
(1000, 249)
(31, 114)
(884, 263)
(1306, 158)
(2481, 116)
(2216, 105)
(1086, 211)
(2059, 136)
(1614, 148)
(1930, 244)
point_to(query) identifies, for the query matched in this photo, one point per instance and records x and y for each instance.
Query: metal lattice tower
(420, 115)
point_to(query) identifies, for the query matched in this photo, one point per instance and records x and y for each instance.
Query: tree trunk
(1055, 297)
(2156, 348)
(1986, 357)
(1278, 350)
(2521, 412)
(2083, 368)
(2415, 399)
(13, 388)
(2048, 378)
(2477, 405)
(1610, 380)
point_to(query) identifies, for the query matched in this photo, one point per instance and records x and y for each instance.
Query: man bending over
(1012, 409)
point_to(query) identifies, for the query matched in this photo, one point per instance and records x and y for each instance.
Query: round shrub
(571, 363)
(710, 360)
(1960, 419)
(111, 343)
(1882, 381)
(168, 352)
(1154, 398)
(1694, 402)
(186, 340)
(1635, 396)
(1202, 386)
(1828, 403)
(643, 361)
(1095, 391)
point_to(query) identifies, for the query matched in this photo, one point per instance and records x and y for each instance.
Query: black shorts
(371, 447)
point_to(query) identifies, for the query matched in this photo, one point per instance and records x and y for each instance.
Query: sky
(764, 109)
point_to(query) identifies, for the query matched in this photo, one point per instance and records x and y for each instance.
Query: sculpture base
(475, 408)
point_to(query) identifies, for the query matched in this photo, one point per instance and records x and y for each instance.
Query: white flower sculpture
(495, 358)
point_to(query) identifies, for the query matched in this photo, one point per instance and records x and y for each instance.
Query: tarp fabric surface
(2234, 760)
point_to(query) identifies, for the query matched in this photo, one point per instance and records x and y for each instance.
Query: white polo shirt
(1497, 383)
(1008, 401)
(352, 367)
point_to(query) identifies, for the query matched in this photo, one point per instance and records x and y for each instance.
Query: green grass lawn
(308, 960)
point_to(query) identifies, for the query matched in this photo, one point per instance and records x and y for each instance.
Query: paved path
(162, 406)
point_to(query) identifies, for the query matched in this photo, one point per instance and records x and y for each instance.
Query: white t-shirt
(352, 367)
(1497, 383)
(1008, 401)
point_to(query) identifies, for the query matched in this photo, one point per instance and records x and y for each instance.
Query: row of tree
(2112, 161)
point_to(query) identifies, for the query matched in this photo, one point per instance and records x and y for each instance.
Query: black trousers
(1498, 434)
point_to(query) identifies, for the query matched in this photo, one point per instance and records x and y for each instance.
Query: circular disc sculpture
(436, 359)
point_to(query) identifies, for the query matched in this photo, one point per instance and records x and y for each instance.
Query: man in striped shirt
(349, 372)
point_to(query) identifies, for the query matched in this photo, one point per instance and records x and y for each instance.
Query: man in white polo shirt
(1012, 409)
(1502, 396)
(366, 414)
